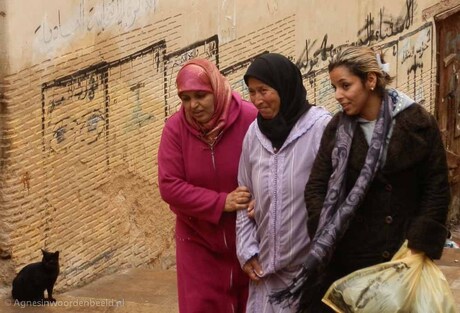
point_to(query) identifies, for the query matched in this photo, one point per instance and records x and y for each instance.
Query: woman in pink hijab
(197, 174)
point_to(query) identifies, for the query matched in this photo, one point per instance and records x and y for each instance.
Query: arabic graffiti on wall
(317, 53)
(62, 26)
(407, 54)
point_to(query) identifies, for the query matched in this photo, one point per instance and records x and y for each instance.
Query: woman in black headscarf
(278, 153)
(284, 77)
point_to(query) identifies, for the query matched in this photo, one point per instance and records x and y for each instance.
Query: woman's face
(199, 104)
(352, 94)
(264, 97)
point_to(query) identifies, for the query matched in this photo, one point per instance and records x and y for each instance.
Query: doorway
(448, 98)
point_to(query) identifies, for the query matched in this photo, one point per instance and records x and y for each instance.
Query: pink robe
(194, 179)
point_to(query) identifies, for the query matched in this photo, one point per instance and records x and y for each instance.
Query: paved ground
(144, 290)
(131, 291)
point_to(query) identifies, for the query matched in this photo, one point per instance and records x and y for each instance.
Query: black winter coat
(408, 198)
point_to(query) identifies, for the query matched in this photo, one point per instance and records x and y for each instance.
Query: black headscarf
(282, 75)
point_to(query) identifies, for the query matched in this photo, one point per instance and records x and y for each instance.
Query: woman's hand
(253, 269)
(251, 211)
(238, 199)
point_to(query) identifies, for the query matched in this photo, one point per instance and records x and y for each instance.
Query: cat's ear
(56, 254)
(43, 251)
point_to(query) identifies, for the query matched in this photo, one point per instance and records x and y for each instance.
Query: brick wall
(80, 171)
(83, 131)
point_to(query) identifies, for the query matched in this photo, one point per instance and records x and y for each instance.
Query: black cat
(33, 279)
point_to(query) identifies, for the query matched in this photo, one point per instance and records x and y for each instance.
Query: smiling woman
(265, 98)
(278, 153)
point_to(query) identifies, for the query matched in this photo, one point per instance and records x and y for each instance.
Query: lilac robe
(278, 233)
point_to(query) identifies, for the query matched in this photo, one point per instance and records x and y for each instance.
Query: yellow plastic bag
(407, 283)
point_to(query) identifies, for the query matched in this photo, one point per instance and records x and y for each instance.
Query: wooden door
(448, 99)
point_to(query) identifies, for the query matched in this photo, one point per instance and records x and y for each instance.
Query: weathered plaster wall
(87, 85)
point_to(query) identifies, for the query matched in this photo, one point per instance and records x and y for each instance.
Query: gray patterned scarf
(338, 208)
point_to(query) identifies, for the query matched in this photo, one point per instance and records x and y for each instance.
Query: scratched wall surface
(88, 84)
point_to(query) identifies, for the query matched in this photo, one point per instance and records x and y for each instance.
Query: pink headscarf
(203, 75)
